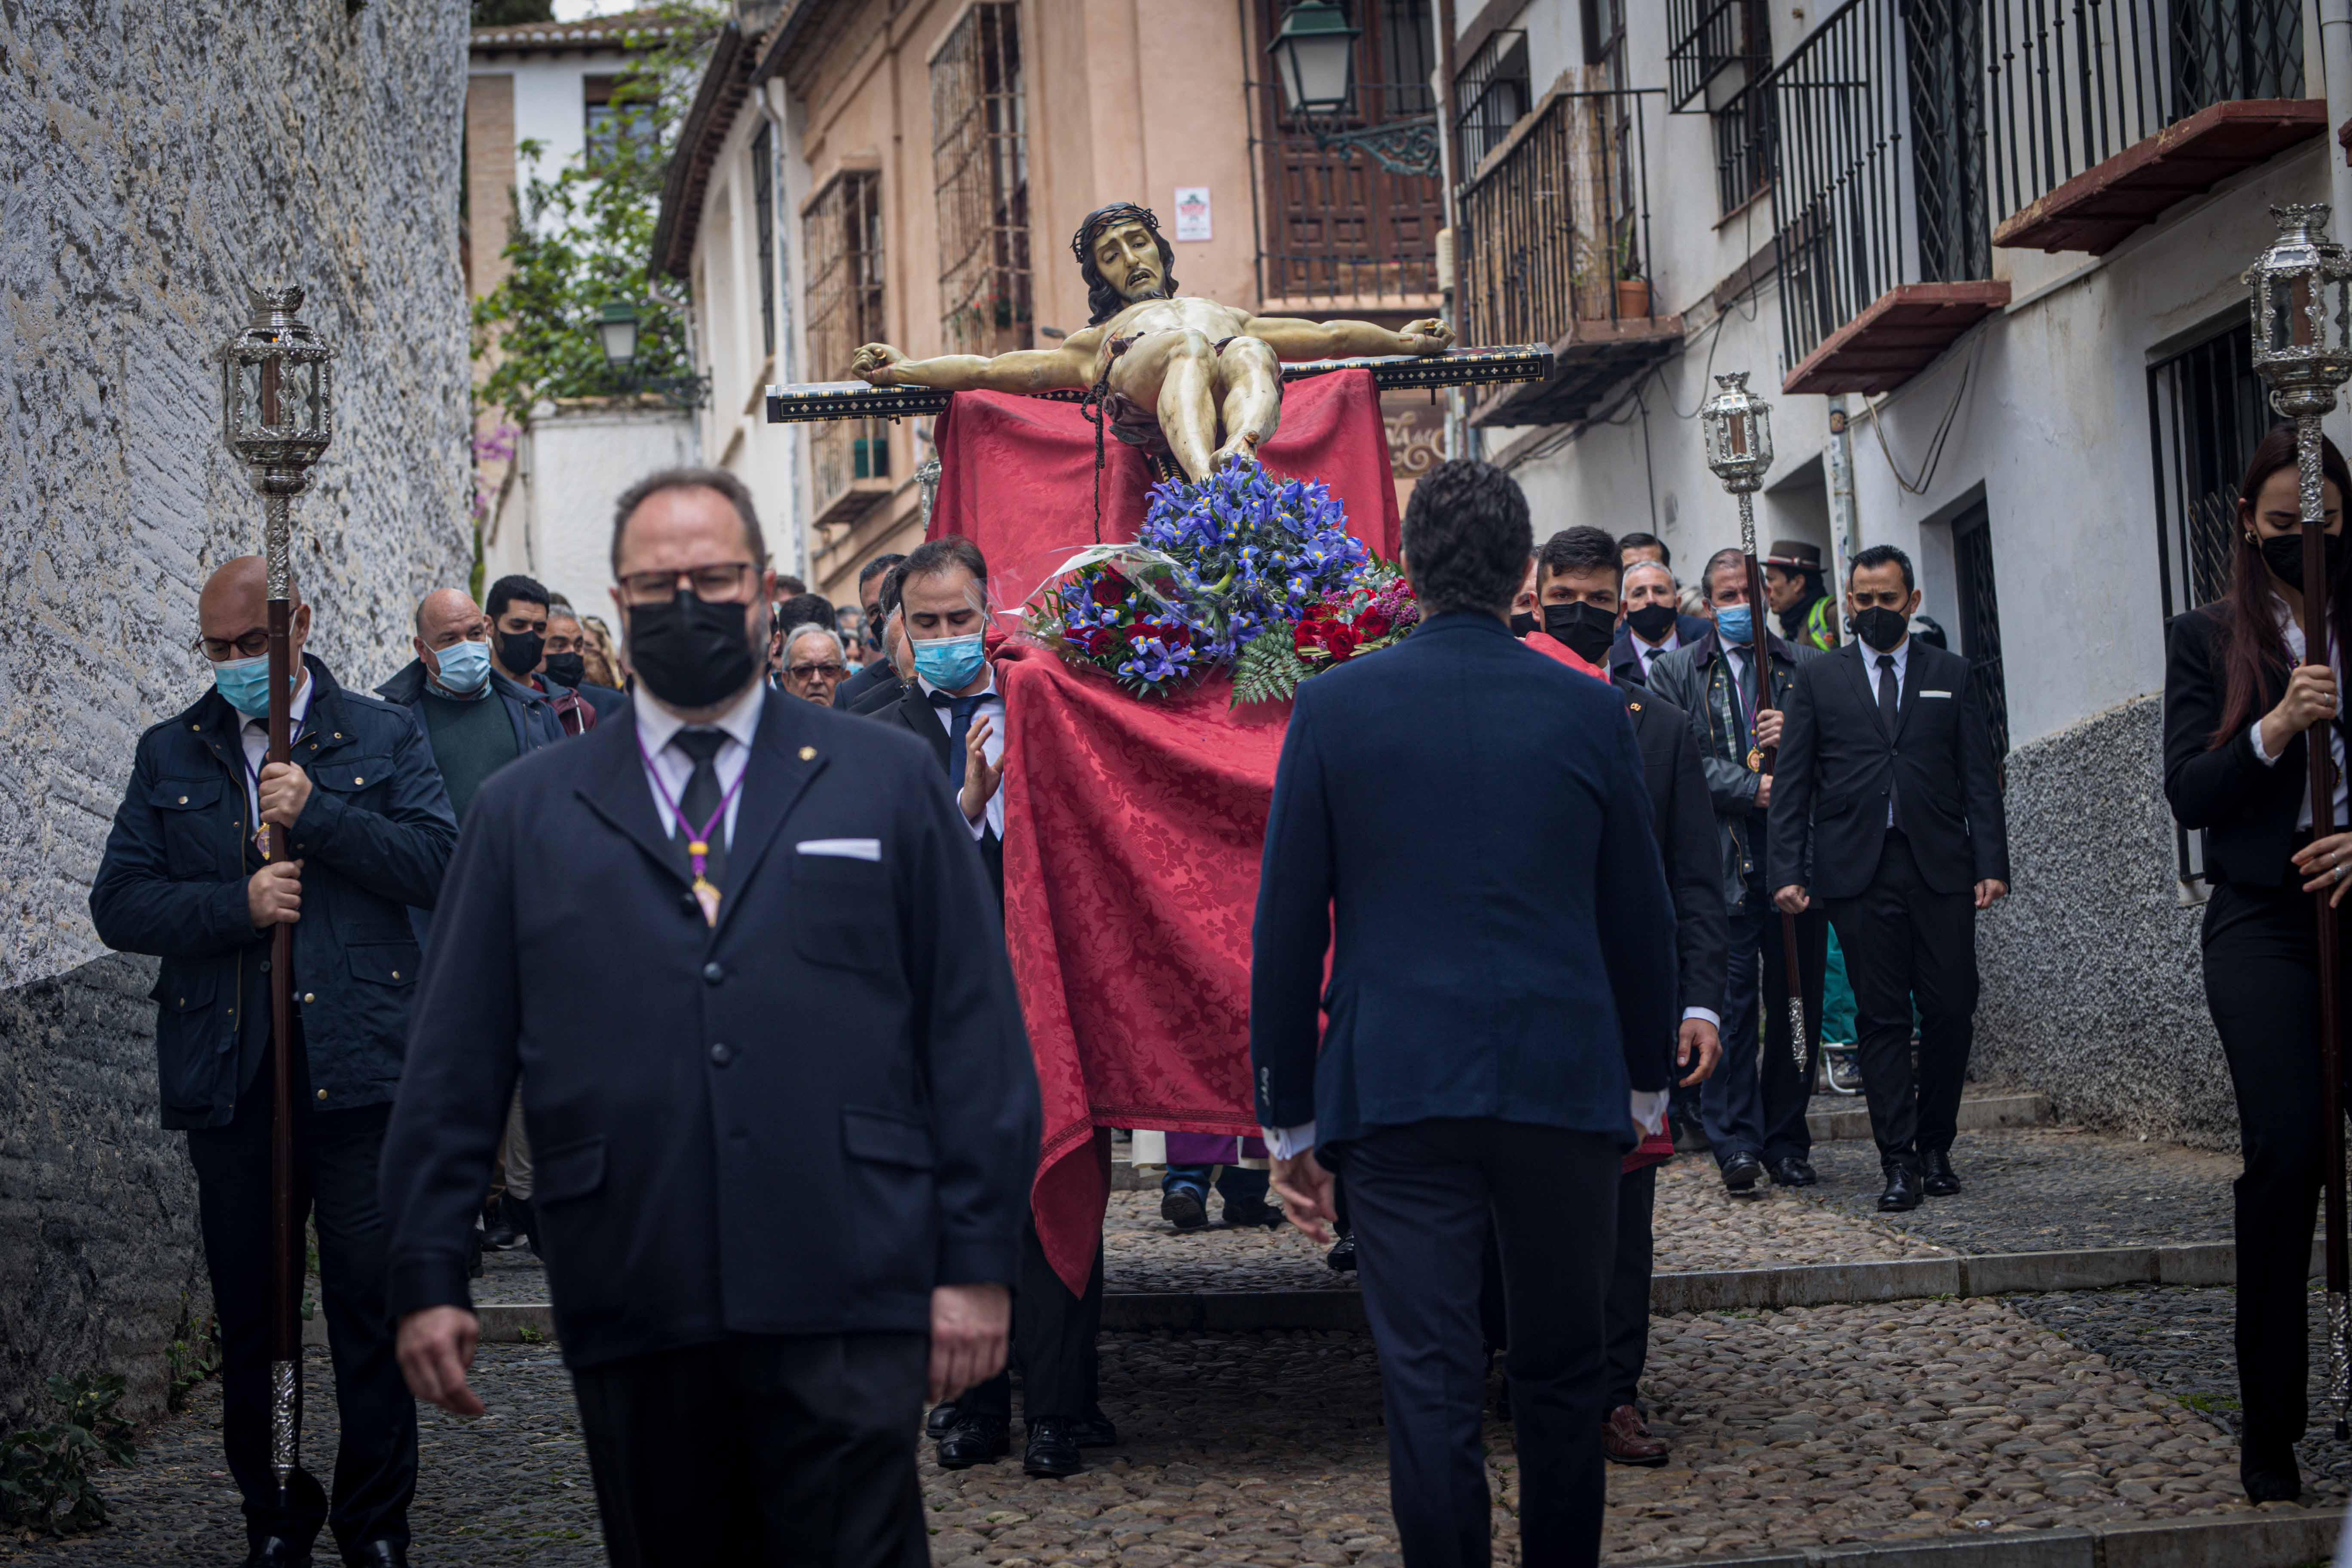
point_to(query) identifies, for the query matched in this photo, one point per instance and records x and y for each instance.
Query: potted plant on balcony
(1633, 289)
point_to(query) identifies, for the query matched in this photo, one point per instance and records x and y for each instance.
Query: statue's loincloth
(1129, 420)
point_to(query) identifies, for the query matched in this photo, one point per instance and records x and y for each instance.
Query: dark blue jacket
(1475, 816)
(375, 838)
(1625, 665)
(535, 723)
(798, 1121)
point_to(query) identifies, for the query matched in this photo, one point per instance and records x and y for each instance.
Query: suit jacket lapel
(914, 711)
(1853, 654)
(613, 782)
(783, 760)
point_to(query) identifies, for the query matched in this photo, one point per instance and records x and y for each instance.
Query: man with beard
(1175, 370)
(665, 933)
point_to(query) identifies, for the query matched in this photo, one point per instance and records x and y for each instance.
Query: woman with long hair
(2240, 695)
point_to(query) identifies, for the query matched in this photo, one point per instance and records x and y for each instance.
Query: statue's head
(1123, 259)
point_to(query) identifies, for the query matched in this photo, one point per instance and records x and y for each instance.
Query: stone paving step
(2251, 1540)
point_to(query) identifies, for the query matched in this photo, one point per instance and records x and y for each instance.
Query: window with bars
(1492, 94)
(1720, 54)
(1335, 226)
(2207, 412)
(842, 237)
(980, 167)
(1980, 618)
(763, 225)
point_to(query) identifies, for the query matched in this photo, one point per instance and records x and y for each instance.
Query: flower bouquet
(1240, 560)
(1376, 612)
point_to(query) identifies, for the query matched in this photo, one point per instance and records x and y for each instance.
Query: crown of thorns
(1082, 243)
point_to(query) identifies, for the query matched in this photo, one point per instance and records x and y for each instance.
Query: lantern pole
(277, 424)
(2301, 298)
(1739, 449)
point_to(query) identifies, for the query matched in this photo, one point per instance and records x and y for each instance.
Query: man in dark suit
(760, 1247)
(1493, 1038)
(363, 830)
(565, 663)
(1577, 592)
(876, 597)
(1754, 1107)
(952, 705)
(1887, 791)
(1651, 624)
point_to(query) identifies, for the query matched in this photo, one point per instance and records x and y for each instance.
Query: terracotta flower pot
(1633, 297)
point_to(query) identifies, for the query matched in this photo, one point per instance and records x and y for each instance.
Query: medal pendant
(1755, 758)
(708, 896)
(261, 840)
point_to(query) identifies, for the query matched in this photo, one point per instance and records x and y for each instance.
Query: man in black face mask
(566, 665)
(1886, 790)
(1651, 624)
(660, 934)
(518, 608)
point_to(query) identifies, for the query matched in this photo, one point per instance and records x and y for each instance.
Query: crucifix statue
(1172, 372)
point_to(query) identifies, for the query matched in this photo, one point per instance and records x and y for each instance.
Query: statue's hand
(877, 365)
(1426, 336)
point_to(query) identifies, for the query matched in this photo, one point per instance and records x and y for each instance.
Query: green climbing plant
(582, 237)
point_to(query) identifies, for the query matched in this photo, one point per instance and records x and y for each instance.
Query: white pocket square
(846, 849)
(1935, 694)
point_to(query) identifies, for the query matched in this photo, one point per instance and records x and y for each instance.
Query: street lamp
(616, 325)
(277, 416)
(1314, 53)
(2300, 294)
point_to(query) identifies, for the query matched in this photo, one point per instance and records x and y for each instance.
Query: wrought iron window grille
(979, 162)
(1711, 38)
(1492, 93)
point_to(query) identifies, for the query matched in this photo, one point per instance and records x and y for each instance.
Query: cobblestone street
(1791, 1429)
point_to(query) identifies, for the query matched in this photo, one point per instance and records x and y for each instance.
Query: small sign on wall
(1191, 211)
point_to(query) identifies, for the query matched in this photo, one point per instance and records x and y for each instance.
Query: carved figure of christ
(1200, 370)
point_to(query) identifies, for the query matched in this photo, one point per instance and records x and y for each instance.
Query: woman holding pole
(2239, 696)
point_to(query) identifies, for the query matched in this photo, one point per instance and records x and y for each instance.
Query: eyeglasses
(811, 671)
(220, 650)
(722, 583)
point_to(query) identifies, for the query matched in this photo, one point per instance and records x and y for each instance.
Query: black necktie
(960, 712)
(1886, 714)
(700, 802)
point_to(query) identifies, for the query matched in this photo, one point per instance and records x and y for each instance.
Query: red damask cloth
(1133, 827)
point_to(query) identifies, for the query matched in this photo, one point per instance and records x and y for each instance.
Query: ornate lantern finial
(1739, 426)
(2300, 294)
(276, 399)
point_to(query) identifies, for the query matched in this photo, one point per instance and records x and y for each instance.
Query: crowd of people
(564, 1001)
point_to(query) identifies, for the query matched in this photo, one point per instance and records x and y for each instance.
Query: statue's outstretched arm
(1024, 370)
(1294, 338)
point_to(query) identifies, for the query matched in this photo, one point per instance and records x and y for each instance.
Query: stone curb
(1989, 1113)
(2267, 1539)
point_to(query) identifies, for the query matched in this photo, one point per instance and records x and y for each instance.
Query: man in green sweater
(475, 718)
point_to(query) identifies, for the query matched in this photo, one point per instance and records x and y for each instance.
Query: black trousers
(335, 1158)
(1625, 1314)
(762, 1451)
(1054, 1335)
(1906, 943)
(2262, 982)
(1421, 1196)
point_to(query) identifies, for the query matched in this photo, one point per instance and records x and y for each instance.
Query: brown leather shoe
(1626, 1438)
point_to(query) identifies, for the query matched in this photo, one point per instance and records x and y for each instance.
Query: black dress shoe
(1740, 1173)
(1942, 1182)
(975, 1439)
(1788, 1171)
(2271, 1482)
(1183, 1209)
(1341, 1258)
(1094, 1431)
(1253, 1214)
(377, 1554)
(1052, 1448)
(941, 1420)
(277, 1551)
(1902, 1194)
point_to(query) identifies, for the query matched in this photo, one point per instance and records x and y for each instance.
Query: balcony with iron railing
(1880, 211)
(1554, 248)
(2105, 113)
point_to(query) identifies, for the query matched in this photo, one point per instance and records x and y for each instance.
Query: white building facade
(1999, 242)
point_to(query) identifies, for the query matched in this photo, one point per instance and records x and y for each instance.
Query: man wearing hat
(1792, 586)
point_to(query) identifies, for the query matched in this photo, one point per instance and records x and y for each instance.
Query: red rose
(1108, 589)
(1172, 635)
(1308, 634)
(1096, 640)
(1373, 623)
(1339, 641)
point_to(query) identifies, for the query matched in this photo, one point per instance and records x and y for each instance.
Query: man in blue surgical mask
(476, 719)
(953, 703)
(359, 829)
(1754, 1107)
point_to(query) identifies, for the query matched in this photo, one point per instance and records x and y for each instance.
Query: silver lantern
(276, 410)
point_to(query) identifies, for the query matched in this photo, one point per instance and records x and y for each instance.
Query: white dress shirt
(1901, 654)
(2292, 631)
(991, 707)
(255, 735)
(1649, 654)
(669, 767)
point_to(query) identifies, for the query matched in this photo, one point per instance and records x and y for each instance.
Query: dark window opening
(1492, 93)
(1980, 619)
(763, 218)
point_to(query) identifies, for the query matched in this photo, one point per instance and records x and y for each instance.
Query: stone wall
(2093, 990)
(154, 159)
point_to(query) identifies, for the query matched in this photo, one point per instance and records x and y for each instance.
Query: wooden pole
(285, 1243)
(1771, 757)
